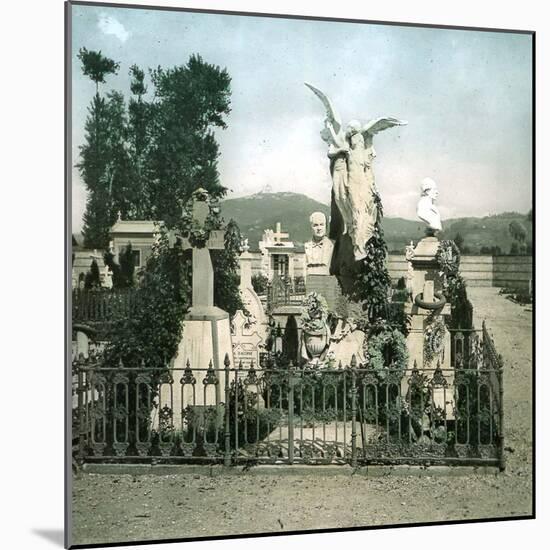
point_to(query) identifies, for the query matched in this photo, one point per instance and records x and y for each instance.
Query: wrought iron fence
(287, 415)
(282, 291)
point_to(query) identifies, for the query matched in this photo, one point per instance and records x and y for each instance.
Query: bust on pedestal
(428, 341)
(318, 257)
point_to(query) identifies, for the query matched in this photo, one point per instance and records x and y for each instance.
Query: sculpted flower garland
(314, 313)
(433, 339)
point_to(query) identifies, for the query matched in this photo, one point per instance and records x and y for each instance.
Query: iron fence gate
(347, 415)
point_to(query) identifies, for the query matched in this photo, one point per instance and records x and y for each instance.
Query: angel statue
(351, 153)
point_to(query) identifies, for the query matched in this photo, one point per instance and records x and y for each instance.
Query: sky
(466, 96)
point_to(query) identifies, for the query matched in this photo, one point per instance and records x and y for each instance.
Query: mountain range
(255, 213)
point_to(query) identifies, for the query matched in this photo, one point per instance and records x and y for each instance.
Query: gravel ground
(113, 508)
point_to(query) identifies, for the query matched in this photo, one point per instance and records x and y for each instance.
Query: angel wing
(379, 124)
(332, 115)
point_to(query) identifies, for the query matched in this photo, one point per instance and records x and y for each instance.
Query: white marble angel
(351, 153)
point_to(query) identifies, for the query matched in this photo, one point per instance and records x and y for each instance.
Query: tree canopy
(144, 156)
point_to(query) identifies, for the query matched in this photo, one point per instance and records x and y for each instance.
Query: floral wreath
(198, 234)
(374, 350)
(314, 313)
(448, 257)
(434, 339)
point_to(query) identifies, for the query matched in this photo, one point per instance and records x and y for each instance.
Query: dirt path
(110, 508)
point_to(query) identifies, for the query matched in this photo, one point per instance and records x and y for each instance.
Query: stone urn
(316, 342)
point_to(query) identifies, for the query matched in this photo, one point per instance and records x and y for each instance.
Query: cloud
(109, 25)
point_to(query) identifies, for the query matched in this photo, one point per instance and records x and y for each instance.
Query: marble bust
(319, 249)
(426, 209)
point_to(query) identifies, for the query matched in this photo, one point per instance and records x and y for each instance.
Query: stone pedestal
(206, 338)
(427, 312)
(325, 285)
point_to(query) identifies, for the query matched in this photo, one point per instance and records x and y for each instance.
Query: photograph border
(68, 248)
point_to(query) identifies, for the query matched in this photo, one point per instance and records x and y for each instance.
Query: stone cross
(203, 272)
(278, 236)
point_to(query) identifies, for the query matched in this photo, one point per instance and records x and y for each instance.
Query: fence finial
(226, 360)
(353, 363)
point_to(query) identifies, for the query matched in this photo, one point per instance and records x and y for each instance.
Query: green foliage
(401, 283)
(197, 232)
(145, 159)
(259, 283)
(454, 287)
(123, 273)
(92, 279)
(127, 266)
(372, 281)
(387, 347)
(96, 66)
(314, 313)
(190, 101)
(517, 231)
(253, 424)
(152, 334)
(93, 166)
(226, 279)
(290, 339)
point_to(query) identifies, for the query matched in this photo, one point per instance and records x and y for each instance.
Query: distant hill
(261, 211)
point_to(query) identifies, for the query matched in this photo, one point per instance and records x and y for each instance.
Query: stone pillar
(427, 311)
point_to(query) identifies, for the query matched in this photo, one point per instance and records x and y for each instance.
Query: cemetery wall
(498, 271)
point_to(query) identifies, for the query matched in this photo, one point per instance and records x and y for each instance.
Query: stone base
(206, 337)
(415, 347)
(325, 285)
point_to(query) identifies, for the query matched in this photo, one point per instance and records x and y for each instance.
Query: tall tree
(127, 266)
(139, 145)
(191, 101)
(96, 66)
(95, 164)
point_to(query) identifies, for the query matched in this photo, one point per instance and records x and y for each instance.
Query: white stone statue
(426, 209)
(319, 249)
(351, 154)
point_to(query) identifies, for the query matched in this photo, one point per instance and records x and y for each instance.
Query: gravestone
(246, 341)
(206, 335)
(346, 341)
(251, 301)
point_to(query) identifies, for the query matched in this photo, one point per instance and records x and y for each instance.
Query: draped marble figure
(351, 153)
